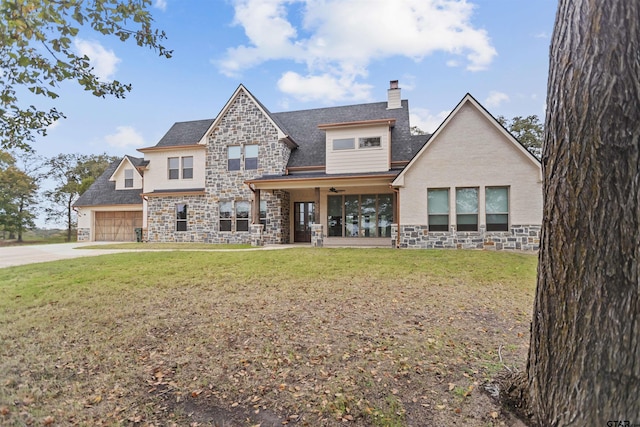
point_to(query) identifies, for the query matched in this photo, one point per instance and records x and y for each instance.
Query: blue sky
(301, 54)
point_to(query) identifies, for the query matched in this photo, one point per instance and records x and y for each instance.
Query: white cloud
(102, 60)
(125, 136)
(324, 87)
(495, 99)
(426, 121)
(336, 40)
(160, 4)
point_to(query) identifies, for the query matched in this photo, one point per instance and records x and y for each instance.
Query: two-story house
(349, 175)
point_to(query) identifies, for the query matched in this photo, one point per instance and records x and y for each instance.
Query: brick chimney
(393, 96)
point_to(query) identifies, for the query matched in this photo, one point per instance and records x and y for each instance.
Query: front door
(304, 216)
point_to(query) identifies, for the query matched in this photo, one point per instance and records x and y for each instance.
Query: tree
(583, 366)
(528, 130)
(415, 130)
(72, 175)
(17, 197)
(36, 54)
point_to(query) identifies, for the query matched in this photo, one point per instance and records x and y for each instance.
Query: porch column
(316, 211)
(255, 212)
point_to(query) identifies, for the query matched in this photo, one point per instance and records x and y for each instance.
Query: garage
(117, 226)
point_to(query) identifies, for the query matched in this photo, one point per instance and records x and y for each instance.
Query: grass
(317, 337)
(168, 246)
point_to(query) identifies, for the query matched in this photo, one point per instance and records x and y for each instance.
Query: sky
(302, 54)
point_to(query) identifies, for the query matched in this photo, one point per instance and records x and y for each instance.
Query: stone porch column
(256, 235)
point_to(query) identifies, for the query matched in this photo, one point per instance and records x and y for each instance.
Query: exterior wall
(358, 159)
(519, 237)
(243, 123)
(156, 177)
(472, 152)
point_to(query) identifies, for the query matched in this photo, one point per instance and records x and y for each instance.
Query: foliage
(331, 337)
(72, 175)
(528, 130)
(17, 197)
(37, 54)
(415, 130)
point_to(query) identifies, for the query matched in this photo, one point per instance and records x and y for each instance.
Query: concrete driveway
(29, 254)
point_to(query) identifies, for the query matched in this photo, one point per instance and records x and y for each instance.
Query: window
(250, 157)
(181, 217)
(242, 216)
(467, 209)
(370, 142)
(344, 144)
(225, 216)
(187, 167)
(174, 167)
(233, 157)
(263, 213)
(438, 209)
(497, 208)
(367, 215)
(128, 178)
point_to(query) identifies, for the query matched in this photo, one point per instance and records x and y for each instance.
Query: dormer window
(370, 142)
(344, 144)
(128, 178)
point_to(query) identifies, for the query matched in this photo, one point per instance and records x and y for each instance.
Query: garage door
(117, 226)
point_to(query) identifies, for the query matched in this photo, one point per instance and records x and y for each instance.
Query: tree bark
(584, 356)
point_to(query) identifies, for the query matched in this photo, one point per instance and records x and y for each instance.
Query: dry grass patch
(303, 337)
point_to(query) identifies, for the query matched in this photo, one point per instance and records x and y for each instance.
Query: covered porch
(327, 209)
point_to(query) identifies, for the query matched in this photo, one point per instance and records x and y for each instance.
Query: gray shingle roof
(103, 191)
(185, 133)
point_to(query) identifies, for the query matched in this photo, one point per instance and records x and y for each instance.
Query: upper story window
(344, 144)
(187, 167)
(467, 209)
(250, 157)
(370, 142)
(497, 208)
(128, 178)
(438, 209)
(174, 167)
(236, 154)
(181, 217)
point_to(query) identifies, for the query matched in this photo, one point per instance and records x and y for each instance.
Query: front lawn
(316, 337)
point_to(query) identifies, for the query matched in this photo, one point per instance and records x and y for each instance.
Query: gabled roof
(467, 99)
(103, 191)
(184, 133)
(134, 162)
(303, 128)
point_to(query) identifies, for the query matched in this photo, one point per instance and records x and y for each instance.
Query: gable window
(181, 217)
(344, 144)
(234, 152)
(438, 209)
(187, 167)
(251, 157)
(242, 216)
(370, 142)
(128, 178)
(174, 167)
(225, 216)
(467, 209)
(497, 208)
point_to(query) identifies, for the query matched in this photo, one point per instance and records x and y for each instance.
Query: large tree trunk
(584, 357)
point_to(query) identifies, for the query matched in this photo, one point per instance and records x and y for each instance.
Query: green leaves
(36, 52)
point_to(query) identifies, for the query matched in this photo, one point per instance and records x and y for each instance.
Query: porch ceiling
(287, 182)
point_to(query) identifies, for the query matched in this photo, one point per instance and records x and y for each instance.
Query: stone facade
(520, 237)
(84, 234)
(242, 124)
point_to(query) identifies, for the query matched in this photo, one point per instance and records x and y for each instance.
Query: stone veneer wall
(242, 124)
(84, 234)
(519, 237)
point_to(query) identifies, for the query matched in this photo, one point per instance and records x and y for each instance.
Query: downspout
(397, 214)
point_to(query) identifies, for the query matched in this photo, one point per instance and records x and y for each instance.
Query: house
(348, 175)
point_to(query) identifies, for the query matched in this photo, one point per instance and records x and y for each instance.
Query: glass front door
(304, 216)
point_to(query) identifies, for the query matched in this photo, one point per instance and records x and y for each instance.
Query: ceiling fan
(334, 190)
